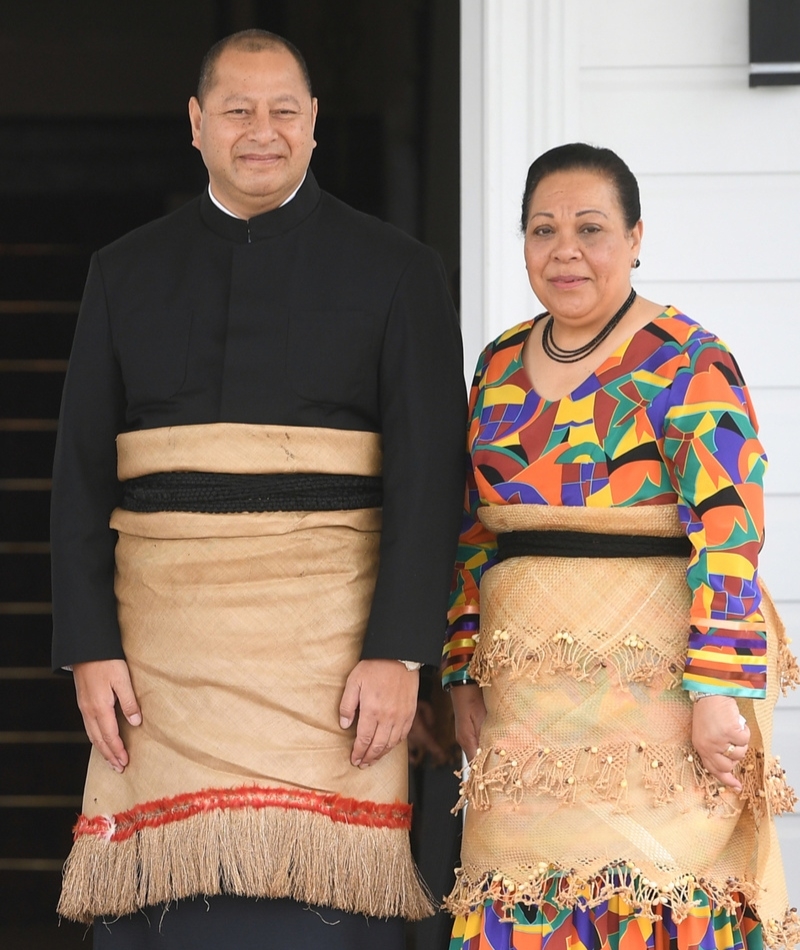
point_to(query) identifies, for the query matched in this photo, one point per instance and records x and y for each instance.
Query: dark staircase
(45, 244)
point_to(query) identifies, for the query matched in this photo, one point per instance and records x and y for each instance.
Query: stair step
(32, 392)
(25, 639)
(38, 831)
(30, 894)
(35, 334)
(24, 516)
(24, 577)
(39, 706)
(60, 277)
(28, 769)
(26, 454)
(28, 425)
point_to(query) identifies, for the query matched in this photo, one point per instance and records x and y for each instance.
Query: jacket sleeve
(477, 549)
(717, 466)
(86, 490)
(423, 409)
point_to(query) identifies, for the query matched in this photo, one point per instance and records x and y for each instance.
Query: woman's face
(578, 250)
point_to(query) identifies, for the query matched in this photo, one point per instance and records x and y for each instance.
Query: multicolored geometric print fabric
(611, 925)
(665, 419)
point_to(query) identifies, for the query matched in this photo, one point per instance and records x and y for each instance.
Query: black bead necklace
(555, 352)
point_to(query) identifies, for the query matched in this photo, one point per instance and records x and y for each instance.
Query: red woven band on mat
(164, 811)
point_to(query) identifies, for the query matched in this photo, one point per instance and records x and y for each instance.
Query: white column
(518, 97)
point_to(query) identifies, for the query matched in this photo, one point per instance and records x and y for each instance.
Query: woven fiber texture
(586, 766)
(240, 630)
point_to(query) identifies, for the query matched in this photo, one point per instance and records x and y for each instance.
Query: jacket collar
(266, 225)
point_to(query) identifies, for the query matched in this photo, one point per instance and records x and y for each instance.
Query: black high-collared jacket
(309, 315)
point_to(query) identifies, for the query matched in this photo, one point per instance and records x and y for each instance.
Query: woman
(616, 717)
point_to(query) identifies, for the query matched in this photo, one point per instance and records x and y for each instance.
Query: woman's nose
(566, 247)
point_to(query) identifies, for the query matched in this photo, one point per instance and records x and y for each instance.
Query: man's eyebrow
(275, 100)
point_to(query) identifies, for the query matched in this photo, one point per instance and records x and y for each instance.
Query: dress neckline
(618, 351)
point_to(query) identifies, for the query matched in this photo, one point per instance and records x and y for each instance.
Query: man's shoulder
(154, 236)
(366, 233)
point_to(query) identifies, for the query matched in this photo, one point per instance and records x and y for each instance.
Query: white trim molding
(519, 97)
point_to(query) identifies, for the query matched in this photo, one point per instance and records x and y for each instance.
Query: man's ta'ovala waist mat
(240, 629)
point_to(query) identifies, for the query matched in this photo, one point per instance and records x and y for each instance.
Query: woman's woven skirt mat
(240, 631)
(585, 763)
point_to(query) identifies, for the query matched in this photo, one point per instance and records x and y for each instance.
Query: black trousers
(242, 923)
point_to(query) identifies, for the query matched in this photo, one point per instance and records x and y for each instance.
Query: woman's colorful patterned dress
(665, 420)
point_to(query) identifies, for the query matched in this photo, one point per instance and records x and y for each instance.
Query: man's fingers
(365, 734)
(384, 739)
(384, 693)
(112, 748)
(99, 685)
(349, 703)
(128, 704)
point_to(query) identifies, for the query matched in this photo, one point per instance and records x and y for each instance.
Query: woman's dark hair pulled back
(579, 155)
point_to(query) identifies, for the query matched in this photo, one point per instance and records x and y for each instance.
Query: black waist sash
(588, 544)
(218, 493)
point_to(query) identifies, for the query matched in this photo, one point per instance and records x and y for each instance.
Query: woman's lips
(567, 282)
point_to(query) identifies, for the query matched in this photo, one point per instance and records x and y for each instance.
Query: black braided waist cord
(587, 544)
(223, 493)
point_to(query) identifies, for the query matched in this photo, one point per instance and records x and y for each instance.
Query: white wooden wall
(665, 84)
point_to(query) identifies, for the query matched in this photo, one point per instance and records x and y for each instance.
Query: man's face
(255, 129)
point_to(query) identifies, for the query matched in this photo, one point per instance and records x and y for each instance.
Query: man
(265, 397)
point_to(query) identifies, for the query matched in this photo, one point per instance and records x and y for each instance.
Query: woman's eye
(543, 231)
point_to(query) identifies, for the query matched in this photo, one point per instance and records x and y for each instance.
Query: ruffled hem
(552, 901)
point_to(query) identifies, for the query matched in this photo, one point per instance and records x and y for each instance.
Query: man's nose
(261, 126)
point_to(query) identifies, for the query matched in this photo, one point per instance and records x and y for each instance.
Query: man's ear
(314, 110)
(196, 120)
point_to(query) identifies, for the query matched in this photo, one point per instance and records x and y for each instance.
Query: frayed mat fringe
(571, 774)
(632, 661)
(245, 851)
(646, 898)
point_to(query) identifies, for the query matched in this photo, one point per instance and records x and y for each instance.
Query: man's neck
(222, 207)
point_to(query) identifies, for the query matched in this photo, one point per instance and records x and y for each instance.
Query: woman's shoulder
(504, 348)
(684, 330)
(699, 347)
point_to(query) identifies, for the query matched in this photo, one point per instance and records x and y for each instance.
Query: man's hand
(99, 685)
(470, 711)
(719, 737)
(384, 694)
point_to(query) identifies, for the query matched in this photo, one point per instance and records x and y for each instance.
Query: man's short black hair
(250, 41)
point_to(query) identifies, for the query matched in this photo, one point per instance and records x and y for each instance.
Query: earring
(636, 263)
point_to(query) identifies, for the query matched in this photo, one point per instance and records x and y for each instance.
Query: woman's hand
(720, 736)
(470, 711)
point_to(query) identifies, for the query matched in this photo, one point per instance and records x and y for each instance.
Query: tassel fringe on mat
(250, 842)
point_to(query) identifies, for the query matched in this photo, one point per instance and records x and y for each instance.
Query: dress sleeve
(86, 490)
(423, 409)
(717, 466)
(477, 548)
